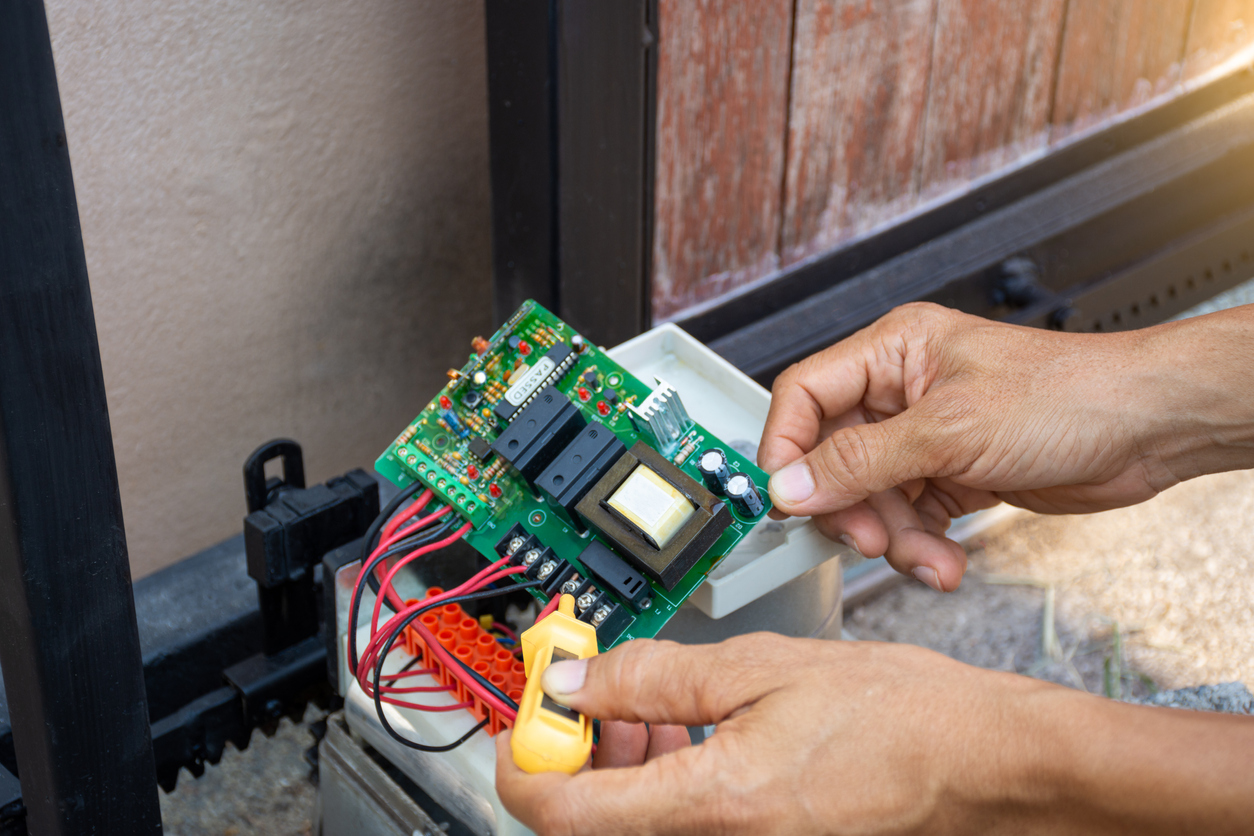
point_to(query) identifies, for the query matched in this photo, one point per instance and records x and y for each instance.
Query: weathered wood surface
(722, 102)
(991, 83)
(1117, 55)
(778, 140)
(1219, 30)
(859, 94)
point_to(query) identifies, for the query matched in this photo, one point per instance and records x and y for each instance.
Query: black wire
(354, 609)
(387, 648)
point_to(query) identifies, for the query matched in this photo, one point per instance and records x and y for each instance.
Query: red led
(584, 394)
(472, 471)
(445, 403)
(603, 408)
(495, 490)
(524, 348)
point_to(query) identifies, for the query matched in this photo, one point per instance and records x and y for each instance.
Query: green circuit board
(439, 449)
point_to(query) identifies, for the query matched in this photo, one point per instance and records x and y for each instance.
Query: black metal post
(68, 639)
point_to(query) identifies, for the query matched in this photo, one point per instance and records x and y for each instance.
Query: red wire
(503, 628)
(417, 505)
(385, 586)
(378, 635)
(369, 656)
(549, 607)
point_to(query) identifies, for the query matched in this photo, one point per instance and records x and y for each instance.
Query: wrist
(1196, 394)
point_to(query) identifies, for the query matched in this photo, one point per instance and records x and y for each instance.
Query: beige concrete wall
(285, 213)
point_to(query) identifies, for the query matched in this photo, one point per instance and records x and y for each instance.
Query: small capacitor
(479, 378)
(744, 495)
(714, 470)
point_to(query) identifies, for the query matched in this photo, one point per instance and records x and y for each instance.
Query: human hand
(930, 414)
(813, 737)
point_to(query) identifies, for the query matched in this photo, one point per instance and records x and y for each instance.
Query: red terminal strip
(445, 403)
(463, 637)
(472, 471)
(603, 408)
(584, 394)
(494, 490)
(524, 348)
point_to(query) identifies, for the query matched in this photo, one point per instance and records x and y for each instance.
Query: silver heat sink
(662, 416)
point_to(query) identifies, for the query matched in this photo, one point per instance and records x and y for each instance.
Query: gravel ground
(1159, 593)
(264, 789)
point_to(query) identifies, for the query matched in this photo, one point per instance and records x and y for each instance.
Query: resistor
(409, 433)
(688, 449)
(424, 448)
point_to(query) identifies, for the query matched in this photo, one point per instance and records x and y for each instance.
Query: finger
(663, 682)
(858, 527)
(666, 739)
(670, 792)
(822, 386)
(621, 744)
(856, 462)
(915, 551)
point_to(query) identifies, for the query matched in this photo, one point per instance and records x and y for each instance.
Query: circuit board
(535, 365)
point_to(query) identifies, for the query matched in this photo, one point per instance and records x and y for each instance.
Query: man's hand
(859, 737)
(930, 414)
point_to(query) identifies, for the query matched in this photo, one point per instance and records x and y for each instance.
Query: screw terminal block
(464, 637)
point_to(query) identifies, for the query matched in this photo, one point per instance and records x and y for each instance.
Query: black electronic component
(590, 377)
(472, 399)
(536, 558)
(514, 341)
(557, 578)
(679, 553)
(480, 449)
(714, 470)
(516, 544)
(744, 495)
(609, 619)
(539, 433)
(548, 370)
(610, 396)
(614, 575)
(579, 466)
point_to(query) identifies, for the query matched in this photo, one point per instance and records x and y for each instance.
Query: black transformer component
(714, 470)
(579, 466)
(480, 449)
(614, 575)
(744, 495)
(539, 433)
(666, 565)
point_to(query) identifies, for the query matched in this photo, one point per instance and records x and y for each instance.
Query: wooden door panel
(1117, 55)
(859, 94)
(722, 101)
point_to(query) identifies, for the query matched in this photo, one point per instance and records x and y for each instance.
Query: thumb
(648, 681)
(855, 462)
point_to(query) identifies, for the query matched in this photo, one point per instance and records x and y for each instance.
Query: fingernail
(928, 575)
(564, 678)
(792, 484)
(851, 543)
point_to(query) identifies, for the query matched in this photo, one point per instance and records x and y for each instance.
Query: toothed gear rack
(515, 444)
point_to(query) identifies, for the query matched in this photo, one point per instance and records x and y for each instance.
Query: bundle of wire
(404, 544)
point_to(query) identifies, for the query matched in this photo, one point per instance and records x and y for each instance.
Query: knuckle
(844, 459)
(786, 379)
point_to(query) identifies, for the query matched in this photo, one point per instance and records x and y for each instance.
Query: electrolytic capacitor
(714, 471)
(744, 495)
